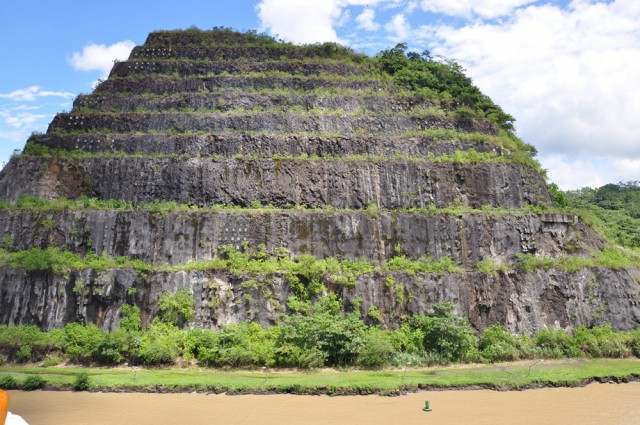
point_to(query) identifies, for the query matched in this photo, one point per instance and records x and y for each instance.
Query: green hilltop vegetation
(614, 209)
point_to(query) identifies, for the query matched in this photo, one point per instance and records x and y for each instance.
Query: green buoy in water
(427, 408)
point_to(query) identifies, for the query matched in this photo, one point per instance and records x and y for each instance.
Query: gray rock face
(523, 302)
(176, 238)
(267, 121)
(280, 182)
(225, 118)
(230, 145)
(160, 84)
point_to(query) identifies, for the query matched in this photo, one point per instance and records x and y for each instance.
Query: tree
(447, 336)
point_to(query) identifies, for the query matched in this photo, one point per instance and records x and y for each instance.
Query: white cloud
(570, 76)
(32, 93)
(468, 8)
(366, 20)
(626, 169)
(571, 174)
(300, 21)
(99, 57)
(23, 119)
(312, 21)
(398, 28)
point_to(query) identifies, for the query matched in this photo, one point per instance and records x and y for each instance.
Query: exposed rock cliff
(311, 149)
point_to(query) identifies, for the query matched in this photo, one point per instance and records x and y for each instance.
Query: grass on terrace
(344, 272)
(31, 203)
(510, 375)
(471, 156)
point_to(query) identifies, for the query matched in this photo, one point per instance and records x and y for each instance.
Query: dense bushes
(33, 382)
(444, 81)
(613, 209)
(320, 338)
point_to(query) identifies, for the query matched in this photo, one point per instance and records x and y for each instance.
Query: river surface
(602, 404)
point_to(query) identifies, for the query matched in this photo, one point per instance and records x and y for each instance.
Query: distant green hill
(614, 208)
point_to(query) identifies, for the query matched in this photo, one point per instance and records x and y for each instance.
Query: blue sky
(567, 70)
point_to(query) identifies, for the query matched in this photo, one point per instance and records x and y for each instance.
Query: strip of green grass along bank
(495, 376)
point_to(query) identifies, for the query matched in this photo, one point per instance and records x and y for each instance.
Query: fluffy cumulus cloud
(366, 20)
(301, 22)
(398, 28)
(570, 76)
(100, 57)
(315, 21)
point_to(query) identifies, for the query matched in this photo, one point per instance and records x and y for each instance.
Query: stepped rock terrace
(217, 141)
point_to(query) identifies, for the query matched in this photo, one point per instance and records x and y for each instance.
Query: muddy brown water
(594, 404)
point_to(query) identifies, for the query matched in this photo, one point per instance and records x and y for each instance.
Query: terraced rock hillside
(261, 176)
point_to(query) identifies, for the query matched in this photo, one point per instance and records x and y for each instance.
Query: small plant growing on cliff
(374, 314)
(78, 287)
(177, 308)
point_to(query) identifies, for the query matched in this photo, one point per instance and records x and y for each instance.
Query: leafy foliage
(444, 80)
(448, 336)
(8, 382)
(33, 382)
(176, 309)
(81, 382)
(613, 209)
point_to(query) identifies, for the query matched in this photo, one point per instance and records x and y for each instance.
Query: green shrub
(338, 338)
(27, 343)
(446, 336)
(130, 317)
(81, 382)
(558, 196)
(499, 345)
(178, 308)
(33, 382)
(8, 382)
(601, 341)
(634, 342)
(556, 343)
(118, 346)
(204, 345)
(377, 350)
(246, 344)
(24, 353)
(161, 344)
(82, 342)
(52, 360)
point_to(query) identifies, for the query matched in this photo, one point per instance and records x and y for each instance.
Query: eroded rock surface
(350, 165)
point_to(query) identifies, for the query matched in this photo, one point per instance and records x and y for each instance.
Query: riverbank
(502, 376)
